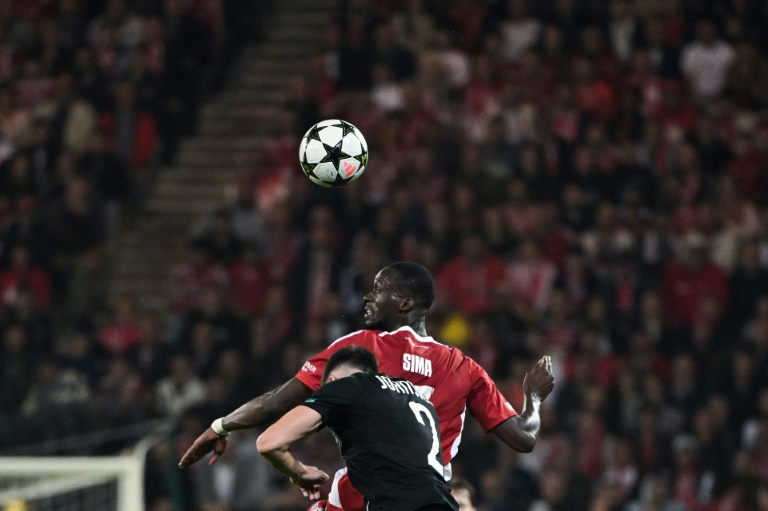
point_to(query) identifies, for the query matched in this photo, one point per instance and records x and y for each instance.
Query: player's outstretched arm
(521, 431)
(257, 412)
(275, 442)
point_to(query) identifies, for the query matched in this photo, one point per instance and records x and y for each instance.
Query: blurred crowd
(94, 99)
(587, 180)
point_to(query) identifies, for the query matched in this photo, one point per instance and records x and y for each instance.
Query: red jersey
(453, 382)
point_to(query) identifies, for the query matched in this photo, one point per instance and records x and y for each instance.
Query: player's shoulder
(359, 337)
(407, 335)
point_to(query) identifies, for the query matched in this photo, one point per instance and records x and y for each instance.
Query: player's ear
(406, 304)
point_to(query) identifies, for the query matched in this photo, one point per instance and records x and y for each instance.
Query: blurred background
(584, 179)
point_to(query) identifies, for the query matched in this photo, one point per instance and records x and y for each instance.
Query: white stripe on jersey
(448, 469)
(344, 337)
(457, 441)
(333, 496)
(417, 336)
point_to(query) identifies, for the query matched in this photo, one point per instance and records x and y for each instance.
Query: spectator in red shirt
(676, 115)
(23, 274)
(530, 278)
(124, 331)
(688, 281)
(192, 275)
(131, 129)
(595, 97)
(468, 279)
(748, 168)
(250, 281)
(599, 357)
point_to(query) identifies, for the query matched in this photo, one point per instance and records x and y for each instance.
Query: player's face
(382, 304)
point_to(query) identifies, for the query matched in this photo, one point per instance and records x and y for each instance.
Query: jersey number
(419, 410)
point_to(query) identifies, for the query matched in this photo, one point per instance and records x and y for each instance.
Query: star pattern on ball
(346, 128)
(314, 133)
(334, 155)
(306, 166)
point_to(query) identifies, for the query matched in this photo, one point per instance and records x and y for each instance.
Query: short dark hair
(355, 356)
(416, 281)
(457, 483)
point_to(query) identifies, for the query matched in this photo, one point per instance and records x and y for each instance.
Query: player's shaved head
(415, 281)
(353, 356)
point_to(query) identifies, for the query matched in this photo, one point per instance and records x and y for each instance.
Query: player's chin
(374, 323)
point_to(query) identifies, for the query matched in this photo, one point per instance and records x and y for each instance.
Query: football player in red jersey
(395, 313)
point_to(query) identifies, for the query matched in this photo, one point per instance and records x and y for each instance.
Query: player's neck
(418, 325)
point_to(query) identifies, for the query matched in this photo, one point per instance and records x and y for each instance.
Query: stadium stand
(584, 179)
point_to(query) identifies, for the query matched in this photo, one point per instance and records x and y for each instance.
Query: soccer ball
(333, 153)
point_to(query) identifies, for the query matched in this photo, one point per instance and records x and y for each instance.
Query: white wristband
(218, 427)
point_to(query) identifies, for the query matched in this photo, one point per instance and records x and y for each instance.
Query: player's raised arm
(259, 411)
(521, 431)
(275, 442)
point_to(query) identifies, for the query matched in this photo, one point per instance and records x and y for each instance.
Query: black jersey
(390, 438)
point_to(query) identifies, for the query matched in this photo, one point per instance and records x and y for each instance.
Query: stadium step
(278, 66)
(250, 113)
(209, 174)
(272, 81)
(232, 129)
(207, 158)
(216, 125)
(219, 143)
(281, 49)
(188, 190)
(188, 204)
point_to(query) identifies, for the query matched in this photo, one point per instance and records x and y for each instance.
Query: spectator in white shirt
(705, 61)
(181, 389)
(622, 28)
(521, 32)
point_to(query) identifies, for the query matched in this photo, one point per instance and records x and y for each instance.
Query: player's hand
(540, 380)
(310, 481)
(205, 443)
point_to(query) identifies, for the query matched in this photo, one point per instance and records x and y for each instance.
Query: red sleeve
(106, 124)
(496, 270)
(145, 140)
(42, 285)
(311, 373)
(485, 402)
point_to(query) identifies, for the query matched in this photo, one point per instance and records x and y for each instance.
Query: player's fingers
(213, 459)
(186, 460)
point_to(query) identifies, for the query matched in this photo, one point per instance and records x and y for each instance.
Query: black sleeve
(333, 399)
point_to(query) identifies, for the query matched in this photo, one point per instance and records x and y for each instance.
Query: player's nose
(368, 297)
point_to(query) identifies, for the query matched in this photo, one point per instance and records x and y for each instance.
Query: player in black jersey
(388, 433)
